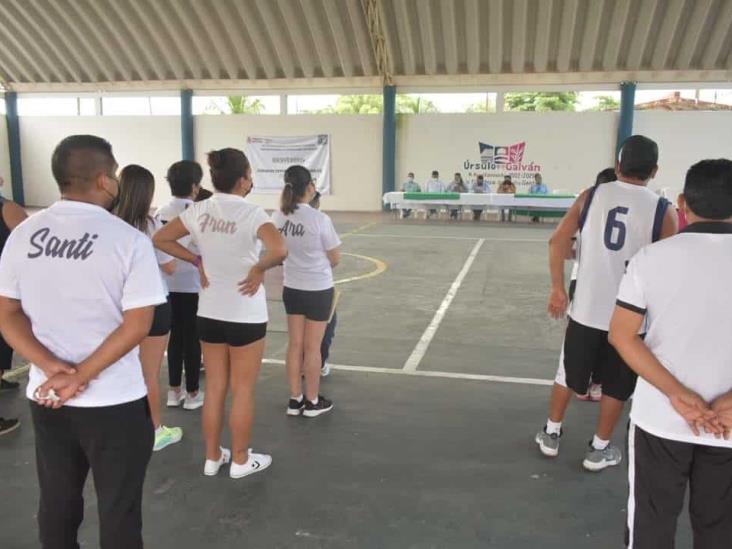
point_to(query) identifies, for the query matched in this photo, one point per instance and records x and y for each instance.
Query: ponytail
(297, 179)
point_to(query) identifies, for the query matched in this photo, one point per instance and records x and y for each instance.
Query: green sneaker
(165, 436)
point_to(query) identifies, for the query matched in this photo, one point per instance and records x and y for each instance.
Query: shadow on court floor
(404, 461)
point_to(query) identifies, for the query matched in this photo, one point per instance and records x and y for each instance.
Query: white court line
(423, 373)
(420, 349)
(394, 235)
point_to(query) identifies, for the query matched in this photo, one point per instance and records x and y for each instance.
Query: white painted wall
(355, 151)
(151, 141)
(683, 139)
(7, 190)
(570, 147)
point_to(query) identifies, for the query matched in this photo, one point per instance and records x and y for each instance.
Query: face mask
(115, 198)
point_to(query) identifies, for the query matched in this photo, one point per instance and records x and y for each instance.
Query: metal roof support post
(389, 141)
(627, 106)
(186, 125)
(16, 167)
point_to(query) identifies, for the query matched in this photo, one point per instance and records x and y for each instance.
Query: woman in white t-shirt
(136, 189)
(313, 250)
(232, 309)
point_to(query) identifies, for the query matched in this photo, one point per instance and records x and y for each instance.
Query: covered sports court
(443, 354)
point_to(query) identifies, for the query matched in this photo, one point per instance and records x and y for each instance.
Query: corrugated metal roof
(69, 44)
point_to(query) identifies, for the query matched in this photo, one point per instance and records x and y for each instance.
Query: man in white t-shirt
(682, 408)
(434, 185)
(77, 291)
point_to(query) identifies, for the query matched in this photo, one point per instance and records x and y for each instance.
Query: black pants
(115, 442)
(658, 472)
(184, 348)
(6, 356)
(328, 338)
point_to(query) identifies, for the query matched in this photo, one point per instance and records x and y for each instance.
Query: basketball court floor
(442, 362)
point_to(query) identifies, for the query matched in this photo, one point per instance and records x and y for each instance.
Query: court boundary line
(486, 239)
(423, 344)
(430, 373)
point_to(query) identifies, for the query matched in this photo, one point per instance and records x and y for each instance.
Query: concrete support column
(186, 125)
(389, 141)
(16, 167)
(627, 107)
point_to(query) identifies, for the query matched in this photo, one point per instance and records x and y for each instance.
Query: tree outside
(541, 101)
(606, 103)
(374, 104)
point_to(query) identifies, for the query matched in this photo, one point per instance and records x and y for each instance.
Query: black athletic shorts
(234, 334)
(586, 350)
(312, 305)
(161, 321)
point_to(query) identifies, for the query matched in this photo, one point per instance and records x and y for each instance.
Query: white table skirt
(486, 200)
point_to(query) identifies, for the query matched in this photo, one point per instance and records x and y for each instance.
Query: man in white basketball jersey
(614, 220)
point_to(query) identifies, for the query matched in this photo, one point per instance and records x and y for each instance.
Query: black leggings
(184, 348)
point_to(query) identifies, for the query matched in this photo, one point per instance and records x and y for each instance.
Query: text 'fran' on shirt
(617, 220)
(75, 269)
(309, 234)
(185, 279)
(224, 228)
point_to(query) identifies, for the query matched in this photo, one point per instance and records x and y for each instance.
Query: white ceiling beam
(339, 37)
(566, 35)
(322, 52)
(716, 41)
(160, 45)
(284, 56)
(39, 12)
(50, 69)
(222, 53)
(618, 21)
(589, 38)
(694, 28)
(472, 35)
(449, 36)
(667, 34)
(427, 35)
(241, 50)
(304, 59)
(361, 33)
(90, 51)
(543, 32)
(495, 36)
(131, 61)
(641, 31)
(518, 38)
(404, 33)
(7, 35)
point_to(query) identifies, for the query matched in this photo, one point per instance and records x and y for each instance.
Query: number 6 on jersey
(615, 240)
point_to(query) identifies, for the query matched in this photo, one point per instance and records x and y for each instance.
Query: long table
(411, 201)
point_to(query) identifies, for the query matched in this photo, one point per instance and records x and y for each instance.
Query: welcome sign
(271, 156)
(497, 161)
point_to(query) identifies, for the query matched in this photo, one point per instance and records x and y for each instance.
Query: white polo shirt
(224, 228)
(185, 279)
(682, 285)
(309, 234)
(75, 269)
(153, 226)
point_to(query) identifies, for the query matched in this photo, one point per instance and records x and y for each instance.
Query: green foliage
(374, 104)
(541, 101)
(408, 104)
(241, 104)
(606, 103)
(480, 107)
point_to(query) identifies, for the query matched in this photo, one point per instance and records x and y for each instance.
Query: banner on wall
(497, 161)
(271, 156)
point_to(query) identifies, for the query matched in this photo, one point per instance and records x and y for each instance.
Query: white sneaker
(211, 467)
(255, 464)
(193, 402)
(175, 398)
(325, 370)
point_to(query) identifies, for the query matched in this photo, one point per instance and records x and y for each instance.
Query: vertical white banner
(271, 156)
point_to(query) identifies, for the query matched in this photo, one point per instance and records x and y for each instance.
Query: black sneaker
(8, 425)
(294, 408)
(6, 385)
(314, 410)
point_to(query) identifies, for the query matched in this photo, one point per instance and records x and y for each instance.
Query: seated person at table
(434, 185)
(410, 186)
(506, 187)
(457, 186)
(479, 187)
(538, 186)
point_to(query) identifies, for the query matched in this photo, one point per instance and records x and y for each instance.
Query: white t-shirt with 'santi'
(224, 228)
(185, 279)
(309, 234)
(682, 285)
(76, 269)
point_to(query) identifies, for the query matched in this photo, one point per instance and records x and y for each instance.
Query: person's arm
(560, 247)
(13, 215)
(17, 331)
(334, 256)
(275, 253)
(166, 240)
(623, 335)
(169, 267)
(670, 223)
